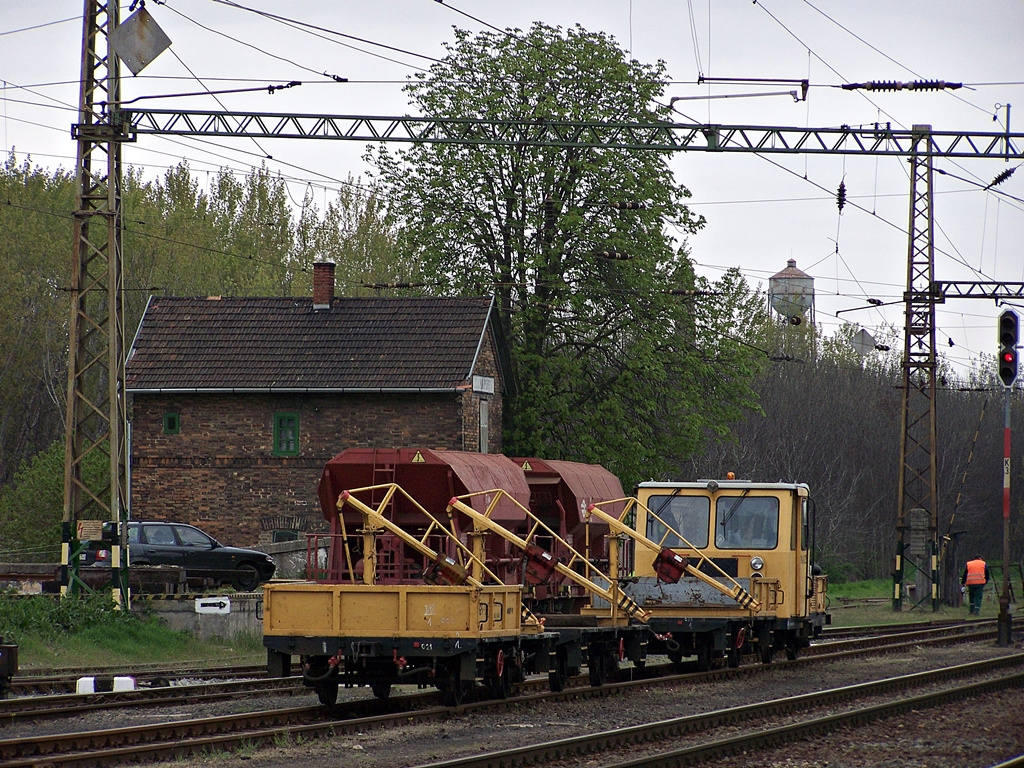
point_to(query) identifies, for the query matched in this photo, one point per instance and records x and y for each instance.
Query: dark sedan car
(155, 543)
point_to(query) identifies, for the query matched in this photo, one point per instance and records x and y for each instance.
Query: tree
(609, 364)
(36, 229)
(32, 505)
(238, 240)
(358, 233)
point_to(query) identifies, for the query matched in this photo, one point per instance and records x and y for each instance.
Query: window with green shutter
(172, 423)
(286, 434)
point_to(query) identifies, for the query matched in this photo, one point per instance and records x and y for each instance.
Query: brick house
(238, 403)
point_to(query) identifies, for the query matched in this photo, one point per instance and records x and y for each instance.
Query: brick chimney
(323, 285)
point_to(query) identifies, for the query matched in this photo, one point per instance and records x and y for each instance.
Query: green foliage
(52, 632)
(48, 618)
(358, 234)
(34, 272)
(608, 364)
(32, 505)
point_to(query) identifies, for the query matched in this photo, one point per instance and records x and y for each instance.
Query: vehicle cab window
(747, 522)
(686, 515)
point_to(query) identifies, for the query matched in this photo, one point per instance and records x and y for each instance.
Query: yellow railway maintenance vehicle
(733, 532)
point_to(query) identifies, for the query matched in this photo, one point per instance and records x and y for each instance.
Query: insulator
(876, 302)
(932, 85)
(1001, 177)
(627, 205)
(896, 85)
(841, 196)
(613, 254)
(549, 211)
(383, 286)
(882, 85)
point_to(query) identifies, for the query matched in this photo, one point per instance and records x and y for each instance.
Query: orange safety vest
(975, 572)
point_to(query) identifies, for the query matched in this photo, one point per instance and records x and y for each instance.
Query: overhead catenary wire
(274, 160)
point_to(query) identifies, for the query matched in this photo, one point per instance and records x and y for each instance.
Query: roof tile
(283, 343)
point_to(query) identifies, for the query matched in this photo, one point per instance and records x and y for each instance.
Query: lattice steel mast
(918, 486)
(96, 416)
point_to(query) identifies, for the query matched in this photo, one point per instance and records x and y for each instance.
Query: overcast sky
(761, 211)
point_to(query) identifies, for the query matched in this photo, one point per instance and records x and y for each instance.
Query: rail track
(762, 725)
(36, 708)
(163, 740)
(148, 676)
(175, 686)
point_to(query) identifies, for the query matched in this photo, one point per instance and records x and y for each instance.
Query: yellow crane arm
(375, 519)
(542, 559)
(445, 568)
(669, 565)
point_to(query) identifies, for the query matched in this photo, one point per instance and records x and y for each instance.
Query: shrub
(49, 618)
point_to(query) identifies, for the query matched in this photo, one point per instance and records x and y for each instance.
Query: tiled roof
(284, 344)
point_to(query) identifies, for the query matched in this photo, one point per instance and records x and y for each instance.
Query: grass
(860, 589)
(148, 643)
(860, 603)
(88, 633)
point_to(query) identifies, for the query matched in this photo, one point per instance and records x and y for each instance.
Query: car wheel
(247, 578)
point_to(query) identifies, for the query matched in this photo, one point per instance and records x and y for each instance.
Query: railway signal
(1009, 327)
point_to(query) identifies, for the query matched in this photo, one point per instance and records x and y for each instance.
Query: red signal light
(1009, 328)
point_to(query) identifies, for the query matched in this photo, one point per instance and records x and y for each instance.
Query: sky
(761, 211)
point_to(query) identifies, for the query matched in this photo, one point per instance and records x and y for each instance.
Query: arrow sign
(214, 605)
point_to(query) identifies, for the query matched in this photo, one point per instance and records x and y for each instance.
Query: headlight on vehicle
(756, 563)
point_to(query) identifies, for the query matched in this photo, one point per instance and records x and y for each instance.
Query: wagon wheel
(595, 667)
(558, 676)
(327, 690)
(704, 657)
(676, 657)
(792, 650)
(451, 689)
(501, 684)
(611, 665)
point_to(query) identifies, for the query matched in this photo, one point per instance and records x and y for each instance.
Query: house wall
(486, 366)
(219, 471)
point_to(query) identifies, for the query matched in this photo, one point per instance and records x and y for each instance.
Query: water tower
(791, 294)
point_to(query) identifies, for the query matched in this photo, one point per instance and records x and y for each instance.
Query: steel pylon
(918, 487)
(96, 411)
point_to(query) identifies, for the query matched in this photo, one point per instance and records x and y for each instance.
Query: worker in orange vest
(976, 576)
